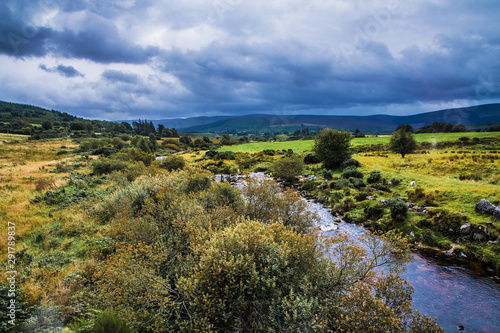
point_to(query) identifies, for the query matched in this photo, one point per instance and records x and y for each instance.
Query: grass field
(306, 145)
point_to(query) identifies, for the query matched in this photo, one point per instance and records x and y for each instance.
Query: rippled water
(457, 296)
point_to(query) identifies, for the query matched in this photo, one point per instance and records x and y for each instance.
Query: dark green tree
(403, 142)
(407, 128)
(332, 147)
(47, 125)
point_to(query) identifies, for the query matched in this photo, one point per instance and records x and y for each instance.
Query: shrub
(340, 184)
(211, 153)
(288, 168)
(311, 159)
(396, 181)
(248, 278)
(357, 183)
(135, 154)
(269, 152)
(327, 174)
(350, 162)
(399, 210)
(223, 194)
(361, 196)
(225, 155)
(104, 151)
(172, 162)
(108, 322)
(381, 187)
(374, 177)
(352, 172)
(266, 202)
(106, 166)
(374, 212)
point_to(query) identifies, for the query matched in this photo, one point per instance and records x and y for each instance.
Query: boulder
(384, 202)
(371, 198)
(373, 189)
(496, 213)
(402, 199)
(485, 207)
(312, 178)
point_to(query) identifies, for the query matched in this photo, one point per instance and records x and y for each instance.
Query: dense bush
(288, 167)
(225, 155)
(135, 155)
(211, 153)
(357, 183)
(172, 162)
(269, 152)
(374, 177)
(340, 184)
(106, 166)
(311, 159)
(396, 181)
(350, 162)
(105, 151)
(327, 174)
(399, 210)
(352, 172)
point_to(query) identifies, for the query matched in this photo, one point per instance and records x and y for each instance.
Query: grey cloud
(67, 71)
(119, 76)
(100, 41)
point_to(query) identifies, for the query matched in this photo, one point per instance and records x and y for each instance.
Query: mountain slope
(481, 115)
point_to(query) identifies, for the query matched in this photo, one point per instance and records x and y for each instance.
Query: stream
(458, 296)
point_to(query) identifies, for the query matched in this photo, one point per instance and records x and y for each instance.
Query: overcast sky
(125, 59)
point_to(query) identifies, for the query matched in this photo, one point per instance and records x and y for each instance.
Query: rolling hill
(480, 116)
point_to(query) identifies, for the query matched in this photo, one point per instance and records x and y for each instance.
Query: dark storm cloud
(18, 38)
(67, 71)
(101, 44)
(296, 75)
(262, 56)
(99, 41)
(119, 76)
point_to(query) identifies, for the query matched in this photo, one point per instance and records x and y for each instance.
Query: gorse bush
(374, 177)
(399, 210)
(350, 162)
(352, 172)
(288, 167)
(108, 165)
(172, 162)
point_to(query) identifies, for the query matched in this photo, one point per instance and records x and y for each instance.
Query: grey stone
(312, 178)
(384, 202)
(496, 213)
(371, 198)
(485, 207)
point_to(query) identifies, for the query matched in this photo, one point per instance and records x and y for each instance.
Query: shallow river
(456, 295)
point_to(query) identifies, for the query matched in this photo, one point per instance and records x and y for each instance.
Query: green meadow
(306, 145)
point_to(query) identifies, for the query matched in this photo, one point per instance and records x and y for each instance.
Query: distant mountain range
(473, 117)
